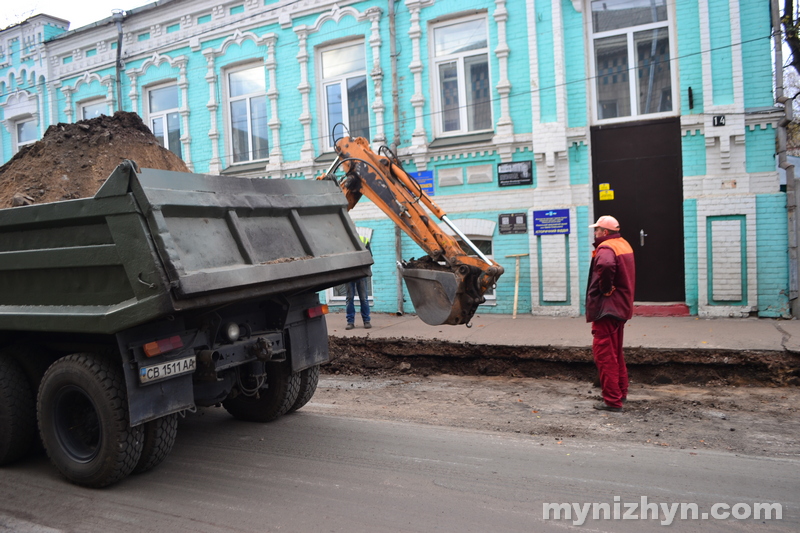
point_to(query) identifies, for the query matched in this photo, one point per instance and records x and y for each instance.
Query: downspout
(791, 186)
(398, 236)
(117, 15)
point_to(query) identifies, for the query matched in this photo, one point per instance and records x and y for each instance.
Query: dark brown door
(641, 164)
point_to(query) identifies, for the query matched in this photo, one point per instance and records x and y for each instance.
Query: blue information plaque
(551, 222)
(425, 180)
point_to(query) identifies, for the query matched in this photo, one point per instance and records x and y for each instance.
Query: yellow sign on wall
(607, 195)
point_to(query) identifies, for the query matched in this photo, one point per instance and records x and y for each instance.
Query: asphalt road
(313, 473)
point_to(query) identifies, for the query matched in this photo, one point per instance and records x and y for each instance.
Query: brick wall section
(690, 252)
(578, 164)
(547, 72)
(726, 273)
(760, 147)
(690, 62)
(693, 148)
(756, 58)
(721, 54)
(575, 62)
(773, 258)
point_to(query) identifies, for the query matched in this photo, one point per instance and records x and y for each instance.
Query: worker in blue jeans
(359, 286)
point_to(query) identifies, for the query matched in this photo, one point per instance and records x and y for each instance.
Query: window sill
(446, 142)
(244, 167)
(327, 157)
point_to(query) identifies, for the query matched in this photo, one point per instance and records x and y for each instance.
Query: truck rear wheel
(159, 438)
(309, 378)
(272, 401)
(83, 421)
(17, 412)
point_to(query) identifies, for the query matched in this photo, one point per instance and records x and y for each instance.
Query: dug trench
(735, 401)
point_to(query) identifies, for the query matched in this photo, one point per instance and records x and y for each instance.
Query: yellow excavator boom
(449, 284)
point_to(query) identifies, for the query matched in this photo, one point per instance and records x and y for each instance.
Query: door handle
(642, 235)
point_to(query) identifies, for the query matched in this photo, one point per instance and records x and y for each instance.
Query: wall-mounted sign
(551, 222)
(718, 120)
(425, 180)
(513, 223)
(605, 191)
(517, 173)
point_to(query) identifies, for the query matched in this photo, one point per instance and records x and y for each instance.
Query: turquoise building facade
(524, 119)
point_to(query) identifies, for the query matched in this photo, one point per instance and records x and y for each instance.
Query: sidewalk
(690, 333)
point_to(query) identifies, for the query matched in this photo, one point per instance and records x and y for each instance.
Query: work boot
(367, 325)
(349, 325)
(603, 406)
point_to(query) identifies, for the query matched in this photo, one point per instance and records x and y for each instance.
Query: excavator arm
(447, 286)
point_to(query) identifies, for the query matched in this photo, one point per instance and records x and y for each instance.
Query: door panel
(641, 163)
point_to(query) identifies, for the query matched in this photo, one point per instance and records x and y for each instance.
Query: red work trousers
(607, 349)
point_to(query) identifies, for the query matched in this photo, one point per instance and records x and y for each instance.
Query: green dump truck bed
(154, 242)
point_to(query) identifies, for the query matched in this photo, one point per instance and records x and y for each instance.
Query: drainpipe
(791, 186)
(398, 236)
(117, 15)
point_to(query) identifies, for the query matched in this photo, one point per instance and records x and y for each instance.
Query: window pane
(174, 132)
(239, 130)
(462, 37)
(163, 99)
(247, 81)
(333, 104)
(259, 127)
(479, 113)
(340, 61)
(614, 14)
(26, 132)
(94, 110)
(357, 108)
(157, 125)
(448, 77)
(653, 71)
(613, 89)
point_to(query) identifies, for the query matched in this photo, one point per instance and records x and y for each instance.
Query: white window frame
(17, 123)
(341, 80)
(460, 58)
(164, 115)
(632, 68)
(248, 99)
(91, 103)
(490, 295)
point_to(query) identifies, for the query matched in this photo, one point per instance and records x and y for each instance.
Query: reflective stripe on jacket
(612, 280)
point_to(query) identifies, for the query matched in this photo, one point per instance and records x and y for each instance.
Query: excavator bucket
(438, 296)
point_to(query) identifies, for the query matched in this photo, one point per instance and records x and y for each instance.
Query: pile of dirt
(73, 160)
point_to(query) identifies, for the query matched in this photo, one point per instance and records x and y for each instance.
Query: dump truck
(163, 292)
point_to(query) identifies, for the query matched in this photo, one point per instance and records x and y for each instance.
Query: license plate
(148, 374)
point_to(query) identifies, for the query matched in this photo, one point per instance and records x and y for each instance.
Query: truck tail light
(317, 311)
(151, 349)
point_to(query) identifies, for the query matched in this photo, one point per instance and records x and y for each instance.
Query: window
(26, 132)
(632, 68)
(344, 89)
(164, 117)
(462, 97)
(249, 131)
(93, 109)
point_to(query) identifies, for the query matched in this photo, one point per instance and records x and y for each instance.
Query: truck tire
(309, 378)
(272, 401)
(159, 438)
(17, 412)
(83, 421)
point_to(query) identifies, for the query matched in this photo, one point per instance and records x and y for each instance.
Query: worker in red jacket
(609, 304)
